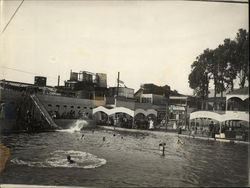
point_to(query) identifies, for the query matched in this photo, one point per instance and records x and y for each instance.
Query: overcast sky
(147, 41)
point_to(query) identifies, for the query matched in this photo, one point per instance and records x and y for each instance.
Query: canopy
(229, 115)
(124, 110)
(206, 114)
(114, 110)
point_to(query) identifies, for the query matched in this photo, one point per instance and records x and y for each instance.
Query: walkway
(184, 134)
(37, 186)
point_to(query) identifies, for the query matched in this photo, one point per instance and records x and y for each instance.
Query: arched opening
(236, 104)
(118, 116)
(204, 126)
(236, 129)
(124, 120)
(57, 111)
(246, 104)
(152, 116)
(101, 118)
(141, 121)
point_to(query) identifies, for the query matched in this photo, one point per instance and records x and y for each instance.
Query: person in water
(82, 136)
(179, 141)
(70, 160)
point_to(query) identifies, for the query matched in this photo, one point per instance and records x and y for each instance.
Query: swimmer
(82, 136)
(104, 138)
(70, 160)
(113, 134)
(122, 137)
(179, 142)
(162, 144)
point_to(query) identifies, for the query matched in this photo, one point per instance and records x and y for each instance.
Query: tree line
(221, 66)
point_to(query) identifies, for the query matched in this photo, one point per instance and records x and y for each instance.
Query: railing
(43, 111)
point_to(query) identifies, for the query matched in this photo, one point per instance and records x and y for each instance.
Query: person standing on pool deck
(193, 132)
(151, 124)
(211, 127)
(179, 130)
(162, 146)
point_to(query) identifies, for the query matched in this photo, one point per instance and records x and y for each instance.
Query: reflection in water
(4, 151)
(134, 160)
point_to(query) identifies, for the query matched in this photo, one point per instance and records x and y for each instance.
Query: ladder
(43, 111)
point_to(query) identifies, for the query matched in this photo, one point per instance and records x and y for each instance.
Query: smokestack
(58, 81)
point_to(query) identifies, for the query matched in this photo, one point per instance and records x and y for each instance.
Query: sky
(146, 41)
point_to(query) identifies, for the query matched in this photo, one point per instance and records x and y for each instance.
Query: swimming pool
(123, 158)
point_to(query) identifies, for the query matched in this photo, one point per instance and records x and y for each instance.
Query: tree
(198, 79)
(242, 55)
(223, 65)
(229, 54)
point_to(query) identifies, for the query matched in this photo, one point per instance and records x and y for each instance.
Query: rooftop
(241, 91)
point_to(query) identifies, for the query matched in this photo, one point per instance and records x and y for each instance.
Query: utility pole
(117, 92)
(118, 80)
(166, 116)
(186, 114)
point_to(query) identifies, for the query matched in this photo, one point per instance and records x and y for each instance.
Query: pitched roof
(241, 91)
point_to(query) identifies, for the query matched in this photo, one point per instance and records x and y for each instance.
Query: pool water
(122, 158)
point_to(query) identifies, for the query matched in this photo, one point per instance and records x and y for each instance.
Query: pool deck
(185, 134)
(37, 186)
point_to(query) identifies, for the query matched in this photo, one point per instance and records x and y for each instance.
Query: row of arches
(124, 117)
(110, 111)
(220, 117)
(237, 104)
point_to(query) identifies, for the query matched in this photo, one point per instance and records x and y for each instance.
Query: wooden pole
(186, 114)
(166, 116)
(118, 80)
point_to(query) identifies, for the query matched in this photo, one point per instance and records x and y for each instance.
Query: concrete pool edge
(38, 186)
(173, 133)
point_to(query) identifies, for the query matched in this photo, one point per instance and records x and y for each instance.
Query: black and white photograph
(124, 93)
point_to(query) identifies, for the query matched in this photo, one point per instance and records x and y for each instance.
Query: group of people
(64, 115)
(120, 122)
(209, 131)
(69, 115)
(144, 124)
(125, 122)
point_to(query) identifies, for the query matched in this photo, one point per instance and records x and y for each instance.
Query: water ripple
(58, 159)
